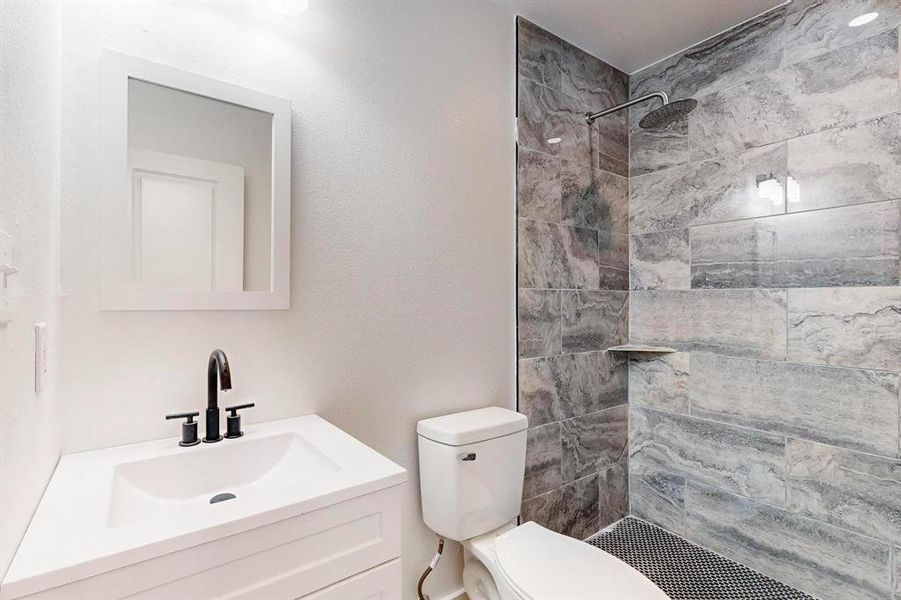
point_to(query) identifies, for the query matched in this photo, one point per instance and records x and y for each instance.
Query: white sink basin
(109, 508)
(162, 486)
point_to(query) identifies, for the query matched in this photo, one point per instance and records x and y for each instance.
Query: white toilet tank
(471, 467)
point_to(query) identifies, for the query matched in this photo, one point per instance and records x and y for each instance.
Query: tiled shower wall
(573, 284)
(765, 248)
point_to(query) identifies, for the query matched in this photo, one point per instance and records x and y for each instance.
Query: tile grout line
(767, 216)
(708, 419)
(891, 571)
(797, 515)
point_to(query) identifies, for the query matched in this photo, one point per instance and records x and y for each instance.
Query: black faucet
(217, 367)
(218, 364)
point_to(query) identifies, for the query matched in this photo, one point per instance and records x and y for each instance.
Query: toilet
(471, 467)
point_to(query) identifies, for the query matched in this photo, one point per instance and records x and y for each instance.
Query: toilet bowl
(530, 562)
(471, 467)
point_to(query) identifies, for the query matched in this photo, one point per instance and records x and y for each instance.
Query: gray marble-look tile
(614, 388)
(594, 320)
(538, 186)
(543, 457)
(896, 552)
(594, 441)
(613, 494)
(845, 246)
(579, 194)
(557, 256)
(539, 54)
(540, 255)
(569, 385)
(571, 509)
(740, 460)
(594, 198)
(813, 27)
(848, 327)
(747, 51)
(721, 189)
(551, 388)
(851, 408)
(579, 258)
(828, 562)
(613, 143)
(541, 116)
(655, 149)
(659, 381)
(856, 491)
(539, 323)
(850, 84)
(613, 259)
(747, 323)
(545, 114)
(850, 165)
(660, 260)
(613, 203)
(658, 497)
(591, 81)
(611, 165)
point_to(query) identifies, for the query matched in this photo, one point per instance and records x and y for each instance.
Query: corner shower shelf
(641, 348)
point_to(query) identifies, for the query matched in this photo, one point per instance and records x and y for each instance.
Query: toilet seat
(539, 564)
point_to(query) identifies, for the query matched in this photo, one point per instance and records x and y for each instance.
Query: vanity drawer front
(341, 546)
(286, 559)
(380, 583)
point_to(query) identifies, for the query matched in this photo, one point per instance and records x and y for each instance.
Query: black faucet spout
(217, 367)
(219, 373)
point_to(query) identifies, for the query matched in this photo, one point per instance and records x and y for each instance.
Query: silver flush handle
(468, 457)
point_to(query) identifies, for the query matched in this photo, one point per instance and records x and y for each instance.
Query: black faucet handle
(188, 428)
(233, 420)
(234, 409)
(185, 415)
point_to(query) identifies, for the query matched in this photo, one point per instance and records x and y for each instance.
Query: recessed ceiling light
(554, 140)
(863, 19)
(289, 8)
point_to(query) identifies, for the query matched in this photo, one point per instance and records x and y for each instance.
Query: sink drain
(222, 497)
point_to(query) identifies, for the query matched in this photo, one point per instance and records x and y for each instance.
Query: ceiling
(632, 34)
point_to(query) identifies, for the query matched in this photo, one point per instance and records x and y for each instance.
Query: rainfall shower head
(666, 114)
(656, 119)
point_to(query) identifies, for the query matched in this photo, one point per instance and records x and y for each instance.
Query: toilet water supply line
(429, 569)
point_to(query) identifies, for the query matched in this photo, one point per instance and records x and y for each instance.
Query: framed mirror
(195, 192)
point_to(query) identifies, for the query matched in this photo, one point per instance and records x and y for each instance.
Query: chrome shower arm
(590, 117)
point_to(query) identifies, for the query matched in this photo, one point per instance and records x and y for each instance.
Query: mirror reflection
(200, 175)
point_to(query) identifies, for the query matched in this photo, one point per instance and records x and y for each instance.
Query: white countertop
(106, 509)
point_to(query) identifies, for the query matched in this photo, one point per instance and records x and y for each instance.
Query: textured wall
(573, 280)
(402, 289)
(765, 247)
(29, 207)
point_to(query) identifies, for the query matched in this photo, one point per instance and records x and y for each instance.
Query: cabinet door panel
(380, 583)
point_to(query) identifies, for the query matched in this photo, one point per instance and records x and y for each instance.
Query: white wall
(29, 207)
(403, 215)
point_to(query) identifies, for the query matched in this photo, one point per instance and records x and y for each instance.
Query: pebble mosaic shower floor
(685, 571)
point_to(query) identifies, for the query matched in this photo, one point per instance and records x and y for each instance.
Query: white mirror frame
(116, 205)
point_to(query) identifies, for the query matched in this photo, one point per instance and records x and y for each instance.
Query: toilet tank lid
(472, 426)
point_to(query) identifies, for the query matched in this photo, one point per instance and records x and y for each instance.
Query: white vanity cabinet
(348, 551)
(380, 583)
(316, 515)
